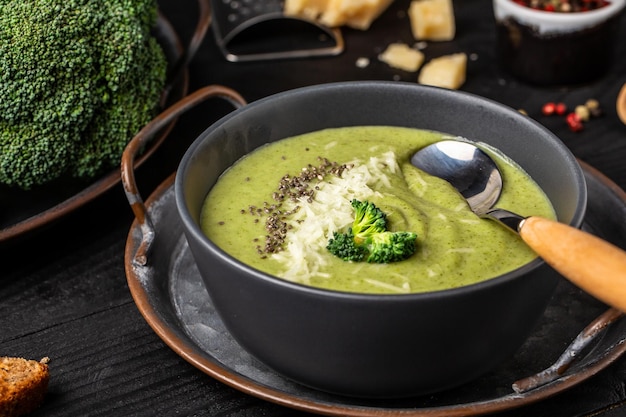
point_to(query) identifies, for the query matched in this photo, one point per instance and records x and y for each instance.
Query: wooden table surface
(63, 290)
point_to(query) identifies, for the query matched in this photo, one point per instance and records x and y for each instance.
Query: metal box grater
(252, 30)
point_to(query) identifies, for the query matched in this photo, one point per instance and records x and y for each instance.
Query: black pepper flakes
(291, 188)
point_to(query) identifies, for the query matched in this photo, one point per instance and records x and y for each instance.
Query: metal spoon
(591, 263)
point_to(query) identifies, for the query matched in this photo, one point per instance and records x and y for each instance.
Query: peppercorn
(574, 122)
(560, 109)
(594, 107)
(551, 108)
(548, 109)
(582, 112)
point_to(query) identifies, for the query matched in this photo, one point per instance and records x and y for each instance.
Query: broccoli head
(387, 247)
(78, 79)
(368, 238)
(343, 246)
(368, 219)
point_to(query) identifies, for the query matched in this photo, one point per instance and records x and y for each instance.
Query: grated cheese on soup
(329, 211)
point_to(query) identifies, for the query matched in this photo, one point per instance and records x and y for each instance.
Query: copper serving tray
(168, 290)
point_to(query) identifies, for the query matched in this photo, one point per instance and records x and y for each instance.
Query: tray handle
(569, 355)
(202, 26)
(142, 138)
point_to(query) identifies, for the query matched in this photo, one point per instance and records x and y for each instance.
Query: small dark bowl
(363, 344)
(557, 48)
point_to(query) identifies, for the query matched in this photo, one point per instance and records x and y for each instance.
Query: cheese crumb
(362, 62)
(402, 56)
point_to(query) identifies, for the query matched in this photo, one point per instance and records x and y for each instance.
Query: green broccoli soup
(282, 208)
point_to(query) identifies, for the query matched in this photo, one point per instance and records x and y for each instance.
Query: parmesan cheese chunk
(447, 71)
(305, 9)
(357, 14)
(402, 56)
(432, 20)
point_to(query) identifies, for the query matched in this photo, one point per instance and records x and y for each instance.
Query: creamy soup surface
(454, 246)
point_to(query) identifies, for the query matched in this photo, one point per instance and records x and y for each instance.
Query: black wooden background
(63, 290)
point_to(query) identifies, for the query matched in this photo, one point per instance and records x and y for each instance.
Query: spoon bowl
(594, 265)
(467, 167)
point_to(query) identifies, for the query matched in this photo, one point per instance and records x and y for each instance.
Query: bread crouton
(23, 385)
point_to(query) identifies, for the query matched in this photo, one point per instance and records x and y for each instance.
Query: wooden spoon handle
(591, 263)
(621, 104)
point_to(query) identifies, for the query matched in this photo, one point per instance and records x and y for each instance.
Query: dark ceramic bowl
(376, 345)
(556, 48)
